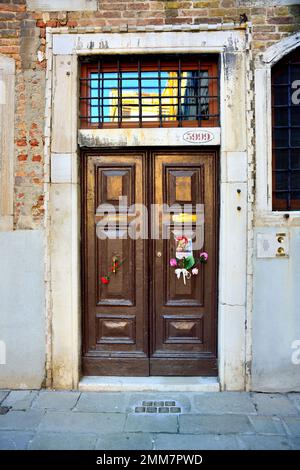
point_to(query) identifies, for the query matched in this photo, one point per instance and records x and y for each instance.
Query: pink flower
(173, 262)
(105, 280)
(203, 257)
(195, 271)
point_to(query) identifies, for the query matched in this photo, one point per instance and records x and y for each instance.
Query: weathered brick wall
(19, 39)
(22, 35)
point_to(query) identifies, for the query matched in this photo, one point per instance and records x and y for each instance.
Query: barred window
(286, 132)
(149, 91)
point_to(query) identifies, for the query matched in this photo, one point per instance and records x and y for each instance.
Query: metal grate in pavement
(160, 406)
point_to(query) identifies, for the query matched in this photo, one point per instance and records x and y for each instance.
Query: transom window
(286, 132)
(149, 91)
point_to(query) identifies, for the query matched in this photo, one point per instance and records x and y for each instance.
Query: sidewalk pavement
(148, 421)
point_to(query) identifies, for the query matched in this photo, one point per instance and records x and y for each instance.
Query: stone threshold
(148, 384)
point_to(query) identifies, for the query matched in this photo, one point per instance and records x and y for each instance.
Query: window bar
(179, 94)
(87, 87)
(97, 114)
(140, 94)
(159, 93)
(119, 94)
(289, 135)
(100, 97)
(218, 91)
(199, 90)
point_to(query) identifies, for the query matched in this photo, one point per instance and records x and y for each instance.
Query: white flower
(195, 271)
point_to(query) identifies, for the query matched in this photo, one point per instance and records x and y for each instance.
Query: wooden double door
(144, 320)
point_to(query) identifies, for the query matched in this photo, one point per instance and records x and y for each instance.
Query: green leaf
(189, 262)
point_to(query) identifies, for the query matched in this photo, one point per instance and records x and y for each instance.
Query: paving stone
(132, 441)
(293, 424)
(64, 421)
(259, 442)
(56, 400)
(14, 440)
(21, 420)
(102, 402)
(210, 424)
(295, 398)
(3, 394)
(295, 443)
(20, 399)
(273, 404)
(195, 441)
(151, 423)
(170, 399)
(62, 441)
(225, 402)
(267, 425)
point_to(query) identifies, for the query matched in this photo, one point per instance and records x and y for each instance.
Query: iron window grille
(149, 91)
(286, 133)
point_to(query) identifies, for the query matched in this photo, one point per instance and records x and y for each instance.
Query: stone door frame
(62, 141)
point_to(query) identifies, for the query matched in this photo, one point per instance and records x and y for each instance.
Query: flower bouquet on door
(185, 263)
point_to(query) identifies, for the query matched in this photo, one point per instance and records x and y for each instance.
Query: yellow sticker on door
(184, 217)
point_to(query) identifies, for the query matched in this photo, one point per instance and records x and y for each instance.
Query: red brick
(281, 20)
(51, 23)
(41, 24)
(9, 42)
(109, 14)
(138, 6)
(72, 24)
(267, 36)
(264, 28)
(7, 15)
(9, 7)
(10, 49)
(97, 22)
(179, 20)
(22, 142)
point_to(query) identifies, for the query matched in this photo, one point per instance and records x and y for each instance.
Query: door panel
(145, 320)
(116, 314)
(184, 321)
